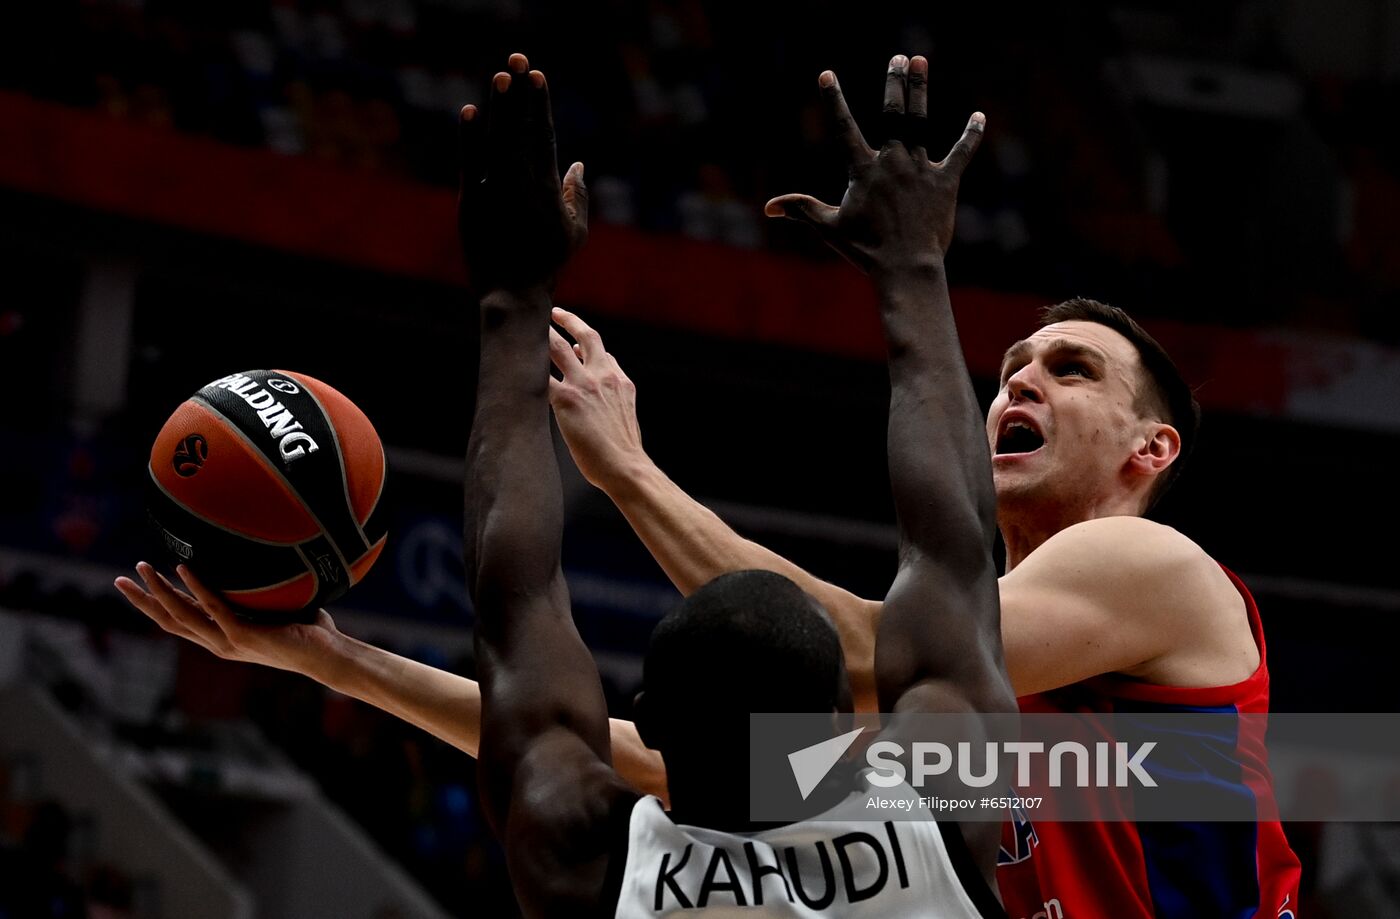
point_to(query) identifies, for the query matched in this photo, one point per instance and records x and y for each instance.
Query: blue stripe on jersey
(1202, 869)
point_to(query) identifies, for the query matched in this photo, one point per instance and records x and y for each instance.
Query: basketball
(267, 484)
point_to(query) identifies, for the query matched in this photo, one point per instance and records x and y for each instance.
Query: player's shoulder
(1148, 564)
(1134, 544)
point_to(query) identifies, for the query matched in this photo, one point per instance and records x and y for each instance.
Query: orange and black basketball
(267, 484)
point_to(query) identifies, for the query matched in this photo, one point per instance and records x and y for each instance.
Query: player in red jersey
(1101, 609)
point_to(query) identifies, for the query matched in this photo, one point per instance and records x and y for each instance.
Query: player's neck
(1020, 542)
(1025, 528)
(707, 792)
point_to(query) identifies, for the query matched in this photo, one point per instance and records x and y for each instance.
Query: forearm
(939, 464)
(688, 540)
(693, 546)
(514, 504)
(448, 706)
(942, 610)
(535, 670)
(444, 704)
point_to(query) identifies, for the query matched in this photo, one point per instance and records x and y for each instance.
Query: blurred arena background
(188, 190)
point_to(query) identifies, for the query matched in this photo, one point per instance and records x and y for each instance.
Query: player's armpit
(1121, 595)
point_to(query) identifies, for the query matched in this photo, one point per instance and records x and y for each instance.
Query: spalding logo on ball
(267, 484)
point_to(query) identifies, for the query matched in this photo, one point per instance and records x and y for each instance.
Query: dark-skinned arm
(938, 644)
(547, 783)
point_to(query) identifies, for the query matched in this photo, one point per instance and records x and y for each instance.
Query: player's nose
(1024, 385)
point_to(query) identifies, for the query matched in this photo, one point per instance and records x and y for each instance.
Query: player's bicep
(1058, 634)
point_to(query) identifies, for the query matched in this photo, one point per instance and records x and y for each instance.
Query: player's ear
(1159, 448)
(645, 719)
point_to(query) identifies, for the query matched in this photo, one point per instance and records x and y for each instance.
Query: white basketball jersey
(830, 866)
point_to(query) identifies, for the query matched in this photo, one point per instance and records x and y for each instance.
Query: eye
(1073, 368)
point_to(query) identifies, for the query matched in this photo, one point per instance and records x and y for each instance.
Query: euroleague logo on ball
(190, 455)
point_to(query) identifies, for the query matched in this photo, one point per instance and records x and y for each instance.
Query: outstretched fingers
(150, 607)
(896, 89)
(821, 217)
(509, 112)
(847, 131)
(803, 208)
(213, 604)
(957, 159)
(470, 152)
(539, 123)
(568, 358)
(183, 609)
(575, 192)
(916, 115)
(590, 343)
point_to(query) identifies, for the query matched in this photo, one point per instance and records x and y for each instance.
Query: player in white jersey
(579, 840)
(837, 863)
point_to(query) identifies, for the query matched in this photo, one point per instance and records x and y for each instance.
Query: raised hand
(899, 206)
(518, 222)
(595, 403)
(201, 616)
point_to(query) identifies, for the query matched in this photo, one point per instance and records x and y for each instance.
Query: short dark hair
(746, 641)
(1166, 392)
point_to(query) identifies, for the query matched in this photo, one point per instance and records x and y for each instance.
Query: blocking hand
(899, 206)
(518, 222)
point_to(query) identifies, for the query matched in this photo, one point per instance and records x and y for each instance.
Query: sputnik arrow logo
(811, 764)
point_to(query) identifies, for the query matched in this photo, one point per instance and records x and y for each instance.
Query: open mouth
(1019, 437)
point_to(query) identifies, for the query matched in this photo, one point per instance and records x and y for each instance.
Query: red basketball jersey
(1128, 870)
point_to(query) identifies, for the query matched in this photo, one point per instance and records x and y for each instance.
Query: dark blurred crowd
(43, 874)
(1222, 205)
(414, 796)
